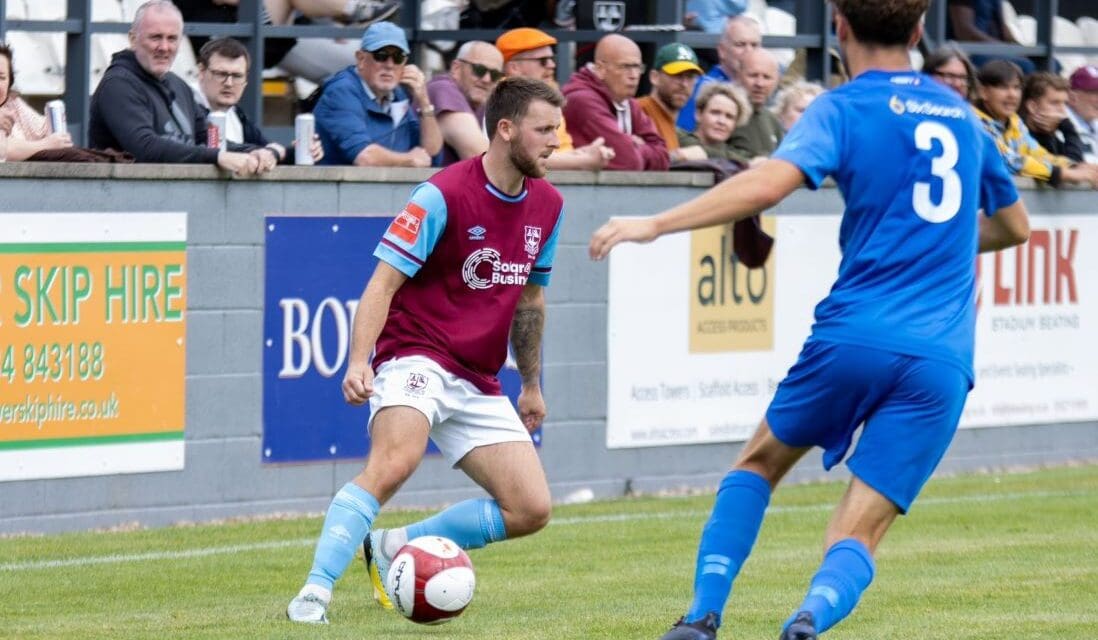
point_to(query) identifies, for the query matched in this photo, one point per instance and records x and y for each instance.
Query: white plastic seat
(103, 47)
(1027, 30)
(16, 10)
(1010, 18)
(757, 9)
(129, 9)
(47, 9)
(39, 63)
(781, 23)
(107, 11)
(1089, 28)
(1066, 33)
(186, 65)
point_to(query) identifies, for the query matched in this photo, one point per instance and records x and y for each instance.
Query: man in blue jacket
(366, 118)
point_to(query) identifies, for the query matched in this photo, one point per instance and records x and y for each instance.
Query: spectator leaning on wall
(528, 52)
(366, 118)
(601, 105)
(26, 131)
(674, 71)
(763, 132)
(222, 75)
(459, 98)
(143, 108)
(1083, 109)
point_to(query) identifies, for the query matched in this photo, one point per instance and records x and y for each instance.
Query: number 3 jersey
(468, 250)
(914, 166)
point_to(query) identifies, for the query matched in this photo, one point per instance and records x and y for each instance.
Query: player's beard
(523, 161)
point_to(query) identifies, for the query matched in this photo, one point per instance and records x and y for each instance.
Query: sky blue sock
(846, 571)
(349, 517)
(472, 524)
(727, 540)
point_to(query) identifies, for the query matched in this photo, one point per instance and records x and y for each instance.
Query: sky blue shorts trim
(909, 406)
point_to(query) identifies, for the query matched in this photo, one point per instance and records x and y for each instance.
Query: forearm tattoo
(526, 330)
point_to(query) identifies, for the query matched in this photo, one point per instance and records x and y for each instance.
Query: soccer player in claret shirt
(892, 342)
(460, 269)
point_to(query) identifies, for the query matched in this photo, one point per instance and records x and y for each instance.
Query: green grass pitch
(980, 556)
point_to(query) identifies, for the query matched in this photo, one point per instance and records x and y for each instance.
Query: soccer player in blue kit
(891, 347)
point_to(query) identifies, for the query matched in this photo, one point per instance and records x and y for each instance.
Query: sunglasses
(479, 70)
(544, 61)
(399, 57)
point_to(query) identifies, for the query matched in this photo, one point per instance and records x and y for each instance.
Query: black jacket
(1065, 141)
(155, 120)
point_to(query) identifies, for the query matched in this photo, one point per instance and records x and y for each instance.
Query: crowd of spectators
(377, 108)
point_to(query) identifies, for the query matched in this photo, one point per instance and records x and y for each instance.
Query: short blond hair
(787, 96)
(730, 91)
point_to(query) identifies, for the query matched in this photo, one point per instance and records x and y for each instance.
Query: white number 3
(941, 167)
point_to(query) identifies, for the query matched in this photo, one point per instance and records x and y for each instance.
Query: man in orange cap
(529, 52)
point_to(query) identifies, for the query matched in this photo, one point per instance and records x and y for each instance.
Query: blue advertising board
(316, 269)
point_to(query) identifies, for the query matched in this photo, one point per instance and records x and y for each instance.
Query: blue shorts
(910, 407)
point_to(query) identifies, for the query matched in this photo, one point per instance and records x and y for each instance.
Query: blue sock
(472, 524)
(349, 518)
(727, 540)
(846, 571)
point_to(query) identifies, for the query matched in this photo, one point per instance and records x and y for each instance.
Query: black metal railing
(814, 35)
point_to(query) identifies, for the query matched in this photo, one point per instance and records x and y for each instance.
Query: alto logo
(731, 306)
(477, 232)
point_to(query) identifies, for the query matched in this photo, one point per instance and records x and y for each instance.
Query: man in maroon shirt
(460, 270)
(459, 98)
(601, 103)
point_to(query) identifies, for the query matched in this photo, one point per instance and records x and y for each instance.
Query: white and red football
(431, 580)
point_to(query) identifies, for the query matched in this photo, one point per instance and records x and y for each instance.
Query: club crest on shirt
(408, 223)
(416, 384)
(533, 241)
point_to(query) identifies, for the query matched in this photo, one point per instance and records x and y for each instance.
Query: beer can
(55, 111)
(215, 130)
(304, 128)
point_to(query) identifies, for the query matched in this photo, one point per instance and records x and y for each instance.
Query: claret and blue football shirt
(468, 250)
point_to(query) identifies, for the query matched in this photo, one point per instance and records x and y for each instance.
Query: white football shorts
(461, 416)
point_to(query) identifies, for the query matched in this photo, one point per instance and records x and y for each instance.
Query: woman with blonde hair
(721, 107)
(793, 100)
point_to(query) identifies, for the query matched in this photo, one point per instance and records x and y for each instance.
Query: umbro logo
(477, 232)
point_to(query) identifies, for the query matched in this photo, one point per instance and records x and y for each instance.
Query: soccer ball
(431, 580)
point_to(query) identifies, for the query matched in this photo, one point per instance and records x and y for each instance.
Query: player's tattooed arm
(526, 331)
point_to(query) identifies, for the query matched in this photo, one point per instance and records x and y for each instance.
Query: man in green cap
(674, 73)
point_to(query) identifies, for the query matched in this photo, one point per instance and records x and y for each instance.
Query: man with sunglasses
(376, 113)
(460, 95)
(528, 53)
(222, 76)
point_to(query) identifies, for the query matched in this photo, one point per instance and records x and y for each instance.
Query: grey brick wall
(224, 476)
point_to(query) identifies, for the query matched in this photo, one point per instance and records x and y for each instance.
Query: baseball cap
(515, 41)
(1085, 78)
(384, 34)
(676, 58)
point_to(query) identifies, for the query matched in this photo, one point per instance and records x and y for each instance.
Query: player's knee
(530, 518)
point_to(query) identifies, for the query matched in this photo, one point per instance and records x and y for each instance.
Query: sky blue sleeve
(543, 268)
(415, 231)
(813, 143)
(997, 188)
